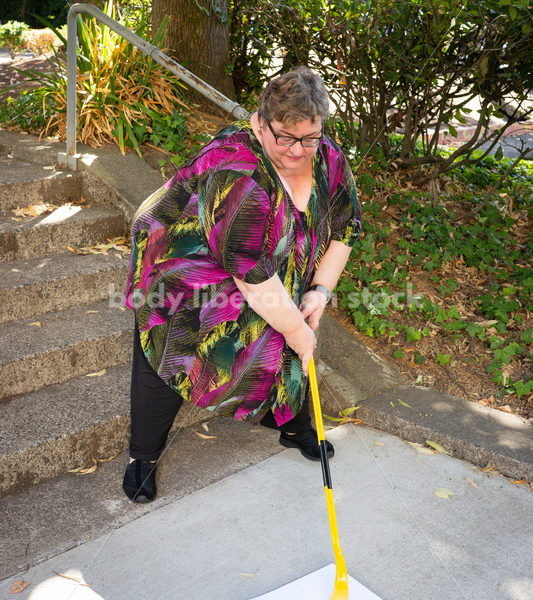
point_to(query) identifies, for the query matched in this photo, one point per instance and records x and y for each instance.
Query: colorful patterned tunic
(226, 213)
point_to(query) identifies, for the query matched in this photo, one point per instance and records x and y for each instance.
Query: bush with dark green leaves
(412, 64)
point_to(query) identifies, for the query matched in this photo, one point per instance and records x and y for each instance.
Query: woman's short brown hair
(294, 96)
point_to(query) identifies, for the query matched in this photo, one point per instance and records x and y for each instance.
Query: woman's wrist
(297, 323)
(318, 287)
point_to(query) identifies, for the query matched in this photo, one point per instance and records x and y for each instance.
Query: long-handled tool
(340, 591)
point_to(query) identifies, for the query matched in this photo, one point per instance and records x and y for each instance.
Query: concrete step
(47, 432)
(29, 147)
(23, 183)
(51, 233)
(39, 285)
(48, 518)
(63, 345)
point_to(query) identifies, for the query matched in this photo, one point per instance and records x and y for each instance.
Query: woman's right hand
(303, 341)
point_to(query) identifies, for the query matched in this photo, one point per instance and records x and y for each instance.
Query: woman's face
(290, 159)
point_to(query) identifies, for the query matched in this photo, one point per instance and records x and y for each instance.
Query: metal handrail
(69, 158)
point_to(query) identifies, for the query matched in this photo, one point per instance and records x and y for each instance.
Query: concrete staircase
(58, 327)
(61, 318)
(59, 324)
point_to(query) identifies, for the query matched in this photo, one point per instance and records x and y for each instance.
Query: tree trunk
(197, 37)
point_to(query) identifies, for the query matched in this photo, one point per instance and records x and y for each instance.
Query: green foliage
(391, 64)
(136, 15)
(418, 358)
(53, 10)
(523, 388)
(12, 35)
(443, 359)
(30, 112)
(171, 133)
(492, 318)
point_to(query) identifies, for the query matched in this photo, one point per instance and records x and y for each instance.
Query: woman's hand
(303, 341)
(312, 306)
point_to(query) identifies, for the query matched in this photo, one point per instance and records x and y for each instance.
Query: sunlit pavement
(412, 526)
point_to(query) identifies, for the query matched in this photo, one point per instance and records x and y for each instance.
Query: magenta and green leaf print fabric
(224, 214)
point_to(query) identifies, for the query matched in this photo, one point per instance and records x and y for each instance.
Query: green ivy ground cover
(445, 284)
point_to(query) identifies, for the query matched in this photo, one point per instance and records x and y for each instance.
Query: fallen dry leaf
(109, 458)
(33, 210)
(403, 403)
(76, 470)
(489, 469)
(19, 586)
(471, 482)
(91, 312)
(119, 243)
(89, 470)
(97, 374)
(422, 449)
(80, 202)
(76, 579)
(19, 212)
(443, 493)
(350, 420)
(438, 447)
(519, 481)
(92, 468)
(35, 323)
(204, 425)
(250, 575)
(343, 416)
(205, 437)
(86, 470)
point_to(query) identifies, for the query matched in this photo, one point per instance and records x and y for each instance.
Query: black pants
(154, 406)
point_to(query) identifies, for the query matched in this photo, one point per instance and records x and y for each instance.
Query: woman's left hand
(312, 306)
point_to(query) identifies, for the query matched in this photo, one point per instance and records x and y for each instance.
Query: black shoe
(139, 481)
(307, 442)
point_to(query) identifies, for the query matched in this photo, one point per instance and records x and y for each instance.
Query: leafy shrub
(388, 64)
(31, 111)
(12, 35)
(173, 133)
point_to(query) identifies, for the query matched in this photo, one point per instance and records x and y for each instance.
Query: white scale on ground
(318, 585)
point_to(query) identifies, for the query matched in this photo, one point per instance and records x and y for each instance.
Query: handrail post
(69, 158)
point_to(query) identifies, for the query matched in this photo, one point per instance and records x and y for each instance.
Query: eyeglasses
(289, 140)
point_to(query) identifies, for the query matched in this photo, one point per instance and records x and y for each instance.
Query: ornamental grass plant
(123, 96)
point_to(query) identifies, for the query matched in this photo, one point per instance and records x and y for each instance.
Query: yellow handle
(316, 401)
(340, 591)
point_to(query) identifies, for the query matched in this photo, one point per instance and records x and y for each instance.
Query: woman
(229, 259)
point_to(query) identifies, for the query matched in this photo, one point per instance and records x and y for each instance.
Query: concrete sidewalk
(266, 525)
